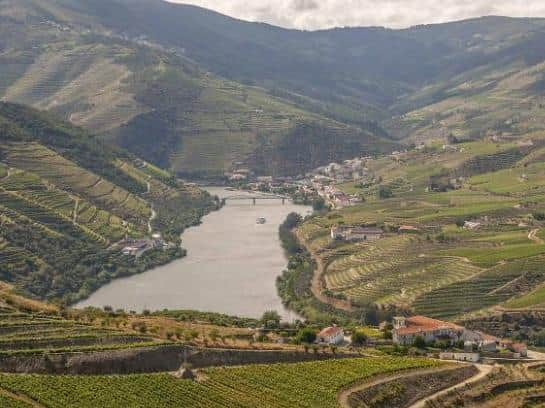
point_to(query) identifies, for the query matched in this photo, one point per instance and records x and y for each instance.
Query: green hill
(66, 200)
(351, 72)
(154, 102)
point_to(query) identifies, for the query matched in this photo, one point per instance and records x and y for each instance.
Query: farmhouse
(355, 233)
(407, 329)
(470, 225)
(331, 335)
(408, 229)
(136, 247)
(465, 356)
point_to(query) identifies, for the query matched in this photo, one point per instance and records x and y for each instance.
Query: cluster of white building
(335, 197)
(355, 233)
(136, 247)
(407, 329)
(348, 170)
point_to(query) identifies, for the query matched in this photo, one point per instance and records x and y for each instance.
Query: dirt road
(364, 384)
(484, 370)
(532, 236)
(316, 286)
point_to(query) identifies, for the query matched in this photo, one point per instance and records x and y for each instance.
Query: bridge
(254, 198)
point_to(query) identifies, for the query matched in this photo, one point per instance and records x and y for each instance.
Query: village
(319, 182)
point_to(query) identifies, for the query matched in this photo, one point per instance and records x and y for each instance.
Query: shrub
(359, 338)
(385, 192)
(419, 342)
(306, 335)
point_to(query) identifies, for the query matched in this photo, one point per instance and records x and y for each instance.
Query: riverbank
(173, 212)
(298, 288)
(231, 266)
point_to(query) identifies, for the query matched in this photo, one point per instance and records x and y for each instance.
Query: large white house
(355, 233)
(331, 335)
(407, 329)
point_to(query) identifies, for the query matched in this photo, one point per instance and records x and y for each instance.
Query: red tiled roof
(329, 331)
(418, 324)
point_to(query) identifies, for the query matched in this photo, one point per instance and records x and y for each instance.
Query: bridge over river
(255, 197)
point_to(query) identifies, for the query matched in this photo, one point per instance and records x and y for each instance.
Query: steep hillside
(66, 200)
(442, 267)
(496, 100)
(350, 73)
(64, 57)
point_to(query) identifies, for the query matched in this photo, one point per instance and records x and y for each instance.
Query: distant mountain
(80, 60)
(150, 75)
(352, 68)
(66, 199)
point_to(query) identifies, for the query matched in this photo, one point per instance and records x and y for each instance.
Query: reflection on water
(231, 267)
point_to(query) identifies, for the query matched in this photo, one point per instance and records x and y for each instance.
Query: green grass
(488, 257)
(532, 299)
(277, 385)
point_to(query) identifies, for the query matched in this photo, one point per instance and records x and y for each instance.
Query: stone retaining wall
(150, 359)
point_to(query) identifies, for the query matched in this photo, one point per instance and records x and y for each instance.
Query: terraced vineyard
(65, 174)
(492, 287)
(36, 333)
(443, 270)
(67, 201)
(393, 270)
(277, 385)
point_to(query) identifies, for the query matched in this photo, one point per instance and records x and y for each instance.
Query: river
(231, 265)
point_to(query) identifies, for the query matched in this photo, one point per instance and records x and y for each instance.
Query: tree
(214, 334)
(306, 335)
(271, 319)
(385, 192)
(292, 220)
(419, 342)
(318, 204)
(538, 215)
(460, 222)
(359, 338)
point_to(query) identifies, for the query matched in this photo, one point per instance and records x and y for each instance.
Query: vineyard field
(276, 385)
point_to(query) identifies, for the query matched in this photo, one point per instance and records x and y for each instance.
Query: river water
(231, 265)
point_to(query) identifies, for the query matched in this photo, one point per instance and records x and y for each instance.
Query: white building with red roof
(331, 335)
(407, 329)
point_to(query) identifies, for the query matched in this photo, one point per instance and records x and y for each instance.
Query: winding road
(343, 396)
(484, 370)
(316, 285)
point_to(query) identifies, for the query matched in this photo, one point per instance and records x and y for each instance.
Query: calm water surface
(231, 266)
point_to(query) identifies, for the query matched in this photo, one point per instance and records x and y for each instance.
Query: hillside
(442, 269)
(155, 103)
(66, 200)
(350, 73)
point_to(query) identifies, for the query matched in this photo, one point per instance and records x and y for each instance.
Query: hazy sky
(315, 14)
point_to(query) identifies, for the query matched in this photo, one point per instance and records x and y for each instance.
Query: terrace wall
(150, 359)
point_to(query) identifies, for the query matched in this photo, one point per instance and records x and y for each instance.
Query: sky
(318, 14)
